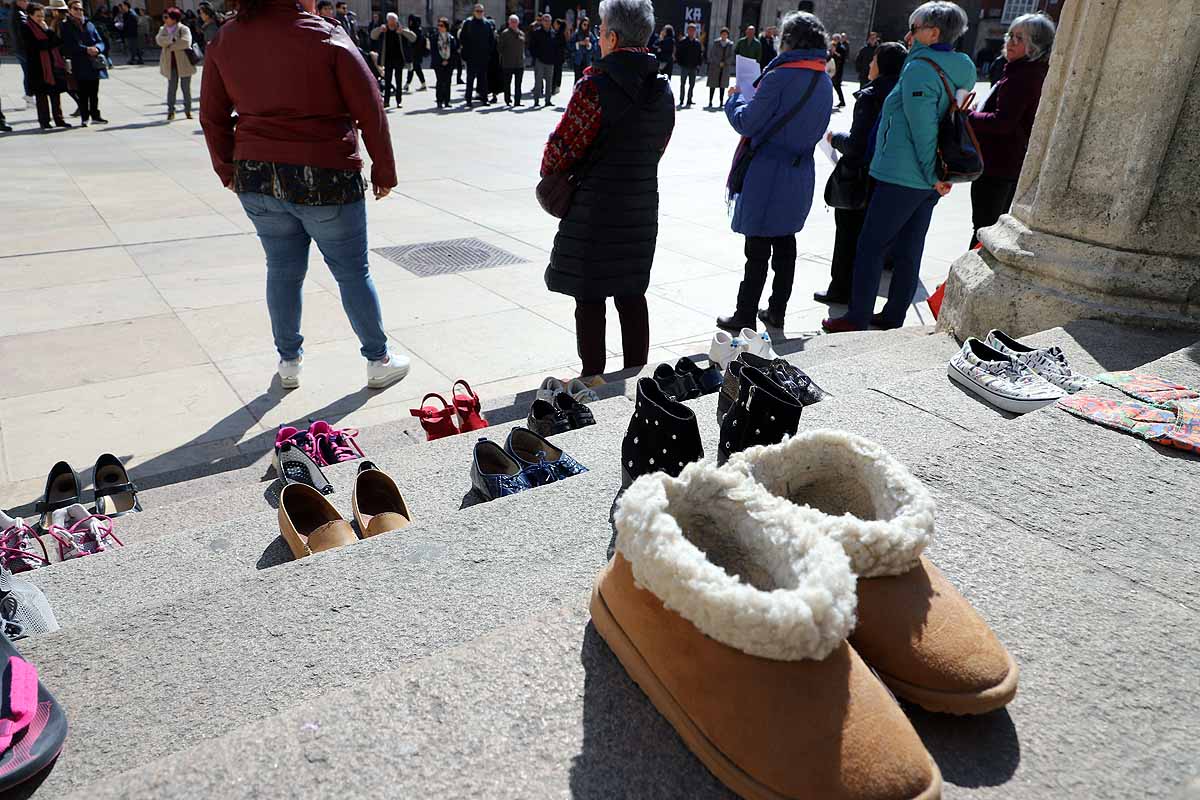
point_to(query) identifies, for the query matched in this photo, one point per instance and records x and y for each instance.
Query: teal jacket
(906, 143)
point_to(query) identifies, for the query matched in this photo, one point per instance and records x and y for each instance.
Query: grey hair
(801, 30)
(948, 18)
(392, 15)
(631, 20)
(512, 17)
(1039, 35)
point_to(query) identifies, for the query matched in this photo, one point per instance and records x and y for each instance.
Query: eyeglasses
(1015, 37)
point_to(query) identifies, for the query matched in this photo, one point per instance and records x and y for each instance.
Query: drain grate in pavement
(454, 255)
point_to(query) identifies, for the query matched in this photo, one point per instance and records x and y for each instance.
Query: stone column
(1106, 221)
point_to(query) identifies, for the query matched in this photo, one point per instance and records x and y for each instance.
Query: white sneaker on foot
(289, 373)
(387, 371)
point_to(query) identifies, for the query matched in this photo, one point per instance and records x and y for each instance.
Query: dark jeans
(48, 106)
(477, 81)
(134, 45)
(28, 86)
(687, 76)
(88, 97)
(990, 197)
(393, 73)
(414, 69)
(897, 216)
(445, 78)
(512, 84)
(781, 252)
(635, 332)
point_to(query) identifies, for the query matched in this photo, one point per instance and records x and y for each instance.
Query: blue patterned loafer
(494, 473)
(541, 462)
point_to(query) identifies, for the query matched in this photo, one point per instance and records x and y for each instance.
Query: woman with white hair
(904, 167)
(610, 139)
(1005, 122)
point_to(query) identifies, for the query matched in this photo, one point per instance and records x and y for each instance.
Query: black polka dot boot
(663, 435)
(764, 413)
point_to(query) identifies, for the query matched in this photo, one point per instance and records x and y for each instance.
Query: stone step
(541, 707)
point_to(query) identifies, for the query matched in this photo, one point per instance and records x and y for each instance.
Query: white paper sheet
(825, 147)
(746, 72)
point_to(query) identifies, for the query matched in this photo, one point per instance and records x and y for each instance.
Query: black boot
(764, 413)
(790, 377)
(772, 319)
(663, 435)
(739, 319)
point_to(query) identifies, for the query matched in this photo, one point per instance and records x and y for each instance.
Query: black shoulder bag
(556, 191)
(958, 156)
(745, 153)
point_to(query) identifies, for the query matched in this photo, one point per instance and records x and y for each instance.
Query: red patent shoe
(467, 407)
(437, 422)
(840, 325)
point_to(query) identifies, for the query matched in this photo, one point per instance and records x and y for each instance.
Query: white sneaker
(581, 391)
(725, 348)
(387, 371)
(1049, 362)
(289, 373)
(550, 387)
(1000, 379)
(758, 344)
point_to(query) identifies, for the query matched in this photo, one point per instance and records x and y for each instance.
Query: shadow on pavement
(970, 751)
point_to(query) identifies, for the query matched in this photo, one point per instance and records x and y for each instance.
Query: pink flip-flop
(34, 726)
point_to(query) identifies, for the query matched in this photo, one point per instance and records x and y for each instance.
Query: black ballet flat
(114, 493)
(62, 490)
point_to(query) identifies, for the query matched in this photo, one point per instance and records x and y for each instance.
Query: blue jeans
(26, 84)
(897, 216)
(340, 231)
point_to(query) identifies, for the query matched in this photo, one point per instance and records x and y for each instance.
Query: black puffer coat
(605, 244)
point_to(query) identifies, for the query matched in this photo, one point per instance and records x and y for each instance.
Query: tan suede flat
(377, 503)
(309, 523)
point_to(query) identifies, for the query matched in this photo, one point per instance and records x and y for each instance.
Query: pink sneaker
(334, 444)
(301, 439)
(20, 548)
(78, 533)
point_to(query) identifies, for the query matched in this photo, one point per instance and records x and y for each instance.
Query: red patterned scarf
(51, 58)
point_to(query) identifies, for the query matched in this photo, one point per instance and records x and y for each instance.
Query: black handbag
(848, 188)
(958, 157)
(744, 153)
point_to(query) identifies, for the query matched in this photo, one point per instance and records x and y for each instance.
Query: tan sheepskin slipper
(922, 637)
(731, 615)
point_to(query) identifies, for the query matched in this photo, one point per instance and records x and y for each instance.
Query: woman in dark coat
(416, 52)
(443, 47)
(857, 148)
(1005, 122)
(777, 194)
(605, 243)
(47, 69)
(84, 47)
(666, 51)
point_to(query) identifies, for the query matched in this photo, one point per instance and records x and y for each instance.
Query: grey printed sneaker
(1000, 379)
(1049, 362)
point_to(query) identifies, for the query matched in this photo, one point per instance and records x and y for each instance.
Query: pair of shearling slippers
(759, 605)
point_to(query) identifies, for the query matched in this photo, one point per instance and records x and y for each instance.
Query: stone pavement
(132, 285)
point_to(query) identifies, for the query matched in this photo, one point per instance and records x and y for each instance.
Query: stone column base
(1023, 281)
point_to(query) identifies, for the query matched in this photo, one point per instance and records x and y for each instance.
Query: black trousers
(477, 82)
(635, 332)
(557, 77)
(713, 90)
(845, 247)
(414, 69)
(687, 76)
(49, 105)
(781, 252)
(393, 73)
(88, 97)
(445, 78)
(134, 45)
(837, 87)
(990, 197)
(512, 84)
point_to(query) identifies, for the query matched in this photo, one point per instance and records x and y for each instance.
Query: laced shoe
(1000, 379)
(390, 369)
(78, 533)
(289, 373)
(1049, 362)
(20, 548)
(334, 444)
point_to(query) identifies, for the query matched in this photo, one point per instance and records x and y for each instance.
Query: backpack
(958, 156)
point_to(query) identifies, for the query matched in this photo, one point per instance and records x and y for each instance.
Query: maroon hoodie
(299, 87)
(1005, 122)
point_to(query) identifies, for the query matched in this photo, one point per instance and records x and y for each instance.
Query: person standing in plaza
(18, 23)
(48, 70)
(559, 31)
(291, 156)
(749, 46)
(84, 48)
(776, 195)
(585, 48)
(1004, 124)
(856, 148)
(541, 47)
(767, 40)
(414, 51)
(210, 25)
(391, 37)
(666, 51)
(605, 243)
(476, 43)
(907, 186)
(130, 30)
(862, 61)
(720, 66)
(175, 40)
(445, 60)
(690, 55)
(837, 53)
(345, 18)
(511, 43)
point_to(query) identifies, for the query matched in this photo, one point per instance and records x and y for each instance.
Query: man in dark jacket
(476, 43)
(862, 61)
(391, 37)
(133, 37)
(767, 41)
(511, 42)
(857, 147)
(689, 55)
(17, 20)
(345, 18)
(545, 55)
(749, 46)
